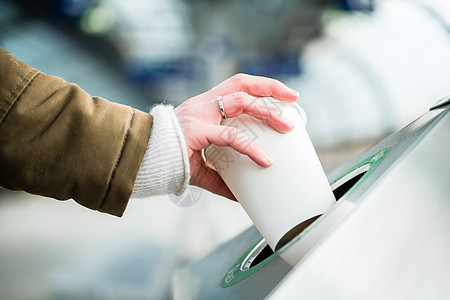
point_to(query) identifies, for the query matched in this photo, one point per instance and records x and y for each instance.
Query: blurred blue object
(272, 66)
(73, 8)
(142, 74)
(356, 5)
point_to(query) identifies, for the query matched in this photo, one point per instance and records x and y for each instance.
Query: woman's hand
(200, 119)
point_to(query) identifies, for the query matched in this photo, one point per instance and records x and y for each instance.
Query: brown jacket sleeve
(58, 141)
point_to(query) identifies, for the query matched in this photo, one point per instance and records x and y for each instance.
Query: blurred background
(363, 69)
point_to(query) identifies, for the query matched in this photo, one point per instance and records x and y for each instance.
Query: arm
(58, 141)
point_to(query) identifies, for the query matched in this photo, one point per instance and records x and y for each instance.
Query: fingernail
(295, 92)
(289, 122)
(269, 160)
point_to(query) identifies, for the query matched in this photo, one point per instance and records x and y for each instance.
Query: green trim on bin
(235, 274)
(374, 161)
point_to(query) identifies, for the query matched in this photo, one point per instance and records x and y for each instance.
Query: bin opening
(265, 253)
(340, 187)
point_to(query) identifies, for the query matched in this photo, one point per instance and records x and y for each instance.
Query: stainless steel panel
(396, 242)
(391, 244)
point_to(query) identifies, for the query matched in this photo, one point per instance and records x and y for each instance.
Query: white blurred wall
(371, 74)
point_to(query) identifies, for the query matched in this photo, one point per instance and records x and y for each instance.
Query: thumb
(210, 180)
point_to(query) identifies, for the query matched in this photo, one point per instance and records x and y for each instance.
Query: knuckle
(276, 84)
(238, 78)
(242, 103)
(238, 96)
(276, 81)
(233, 132)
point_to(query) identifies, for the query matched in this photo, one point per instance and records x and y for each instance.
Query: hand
(200, 119)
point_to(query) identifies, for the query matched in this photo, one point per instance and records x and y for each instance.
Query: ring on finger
(222, 109)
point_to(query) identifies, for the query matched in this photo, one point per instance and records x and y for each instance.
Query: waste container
(386, 237)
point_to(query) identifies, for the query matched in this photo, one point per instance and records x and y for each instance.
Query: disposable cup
(283, 199)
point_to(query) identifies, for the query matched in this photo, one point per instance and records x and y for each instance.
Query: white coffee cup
(291, 191)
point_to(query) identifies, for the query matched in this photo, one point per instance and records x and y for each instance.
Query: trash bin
(386, 237)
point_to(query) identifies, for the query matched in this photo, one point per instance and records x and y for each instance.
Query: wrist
(165, 166)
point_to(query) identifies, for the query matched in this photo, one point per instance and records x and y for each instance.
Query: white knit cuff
(165, 167)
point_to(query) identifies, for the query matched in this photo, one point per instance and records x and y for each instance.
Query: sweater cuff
(165, 167)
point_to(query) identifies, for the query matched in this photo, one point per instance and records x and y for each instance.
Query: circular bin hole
(341, 186)
(257, 255)
(346, 182)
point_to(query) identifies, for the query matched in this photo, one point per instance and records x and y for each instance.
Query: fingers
(210, 180)
(242, 103)
(232, 137)
(257, 86)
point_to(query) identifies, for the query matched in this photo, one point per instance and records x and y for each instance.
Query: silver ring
(222, 110)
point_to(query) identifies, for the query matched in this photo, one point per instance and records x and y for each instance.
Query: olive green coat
(58, 141)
